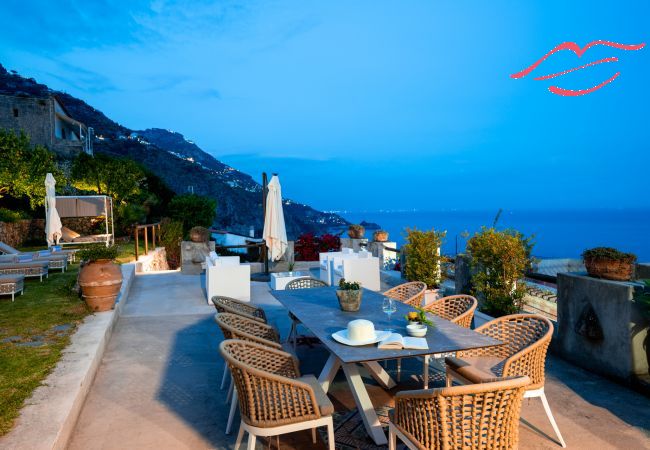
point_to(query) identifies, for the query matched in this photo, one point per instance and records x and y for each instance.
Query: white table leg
(329, 371)
(361, 398)
(425, 373)
(379, 374)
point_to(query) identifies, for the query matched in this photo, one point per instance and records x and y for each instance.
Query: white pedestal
(280, 280)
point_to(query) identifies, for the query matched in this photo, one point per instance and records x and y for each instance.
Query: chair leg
(231, 389)
(225, 375)
(448, 379)
(551, 419)
(392, 438)
(240, 436)
(313, 435)
(330, 434)
(425, 372)
(399, 369)
(231, 414)
(251, 441)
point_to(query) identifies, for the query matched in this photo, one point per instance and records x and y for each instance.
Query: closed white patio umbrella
(52, 220)
(275, 232)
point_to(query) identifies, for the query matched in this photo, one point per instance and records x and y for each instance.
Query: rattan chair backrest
(305, 283)
(411, 293)
(234, 326)
(458, 309)
(233, 306)
(478, 416)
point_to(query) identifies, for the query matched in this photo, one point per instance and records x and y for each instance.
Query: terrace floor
(158, 384)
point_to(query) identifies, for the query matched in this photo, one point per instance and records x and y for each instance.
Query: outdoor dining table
(318, 310)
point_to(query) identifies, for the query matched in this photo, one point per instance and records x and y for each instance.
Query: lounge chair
(12, 284)
(9, 250)
(28, 269)
(54, 261)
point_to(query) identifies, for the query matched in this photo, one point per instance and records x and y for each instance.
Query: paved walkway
(158, 385)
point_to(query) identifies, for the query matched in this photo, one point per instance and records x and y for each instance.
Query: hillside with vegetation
(180, 164)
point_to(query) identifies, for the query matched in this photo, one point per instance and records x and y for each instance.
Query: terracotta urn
(380, 236)
(100, 283)
(349, 300)
(356, 231)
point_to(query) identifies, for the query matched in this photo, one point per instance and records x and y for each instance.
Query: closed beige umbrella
(275, 232)
(52, 220)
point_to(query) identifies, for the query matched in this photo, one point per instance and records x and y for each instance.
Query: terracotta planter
(610, 269)
(100, 283)
(198, 236)
(349, 300)
(380, 236)
(356, 232)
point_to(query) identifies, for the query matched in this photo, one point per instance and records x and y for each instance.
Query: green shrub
(423, 259)
(192, 210)
(96, 252)
(7, 215)
(499, 261)
(171, 236)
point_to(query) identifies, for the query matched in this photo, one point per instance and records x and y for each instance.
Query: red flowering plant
(329, 242)
(308, 246)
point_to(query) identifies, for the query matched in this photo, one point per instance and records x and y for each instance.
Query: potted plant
(349, 295)
(422, 260)
(499, 260)
(380, 236)
(199, 234)
(418, 322)
(356, 231)
(100, 278)
(609, 263)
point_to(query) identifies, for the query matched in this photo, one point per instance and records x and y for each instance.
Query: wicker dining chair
(234, 306)
(478, 417)
(458, 309)
(526, 338)
(300, 283)
(273, 397)
(234, 326)
(411, 293)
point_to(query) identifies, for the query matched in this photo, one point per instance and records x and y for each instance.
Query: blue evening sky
(366, 104)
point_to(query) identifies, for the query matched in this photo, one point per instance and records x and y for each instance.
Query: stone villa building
(47, 123)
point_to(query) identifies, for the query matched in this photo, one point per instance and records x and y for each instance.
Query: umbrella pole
(265, 191)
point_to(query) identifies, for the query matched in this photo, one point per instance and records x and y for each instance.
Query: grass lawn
(34, 330)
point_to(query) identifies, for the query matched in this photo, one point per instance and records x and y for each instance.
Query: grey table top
(318, 309)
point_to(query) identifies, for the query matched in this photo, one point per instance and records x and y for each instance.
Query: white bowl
(416, 330)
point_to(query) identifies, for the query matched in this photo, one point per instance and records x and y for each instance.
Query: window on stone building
(15, 112)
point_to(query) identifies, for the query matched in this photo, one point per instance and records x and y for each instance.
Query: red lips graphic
(575, 48)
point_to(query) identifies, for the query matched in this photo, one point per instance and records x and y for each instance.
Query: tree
(193, 210)
(23, 168)
(121, 179)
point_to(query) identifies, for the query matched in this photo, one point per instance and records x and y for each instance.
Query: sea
(557, 233)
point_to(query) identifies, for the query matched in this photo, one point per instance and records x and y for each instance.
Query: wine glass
(388, 306)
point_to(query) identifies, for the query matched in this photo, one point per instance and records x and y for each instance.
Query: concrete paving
(158, 384)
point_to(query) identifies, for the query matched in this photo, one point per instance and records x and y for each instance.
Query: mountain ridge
(181, 163)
